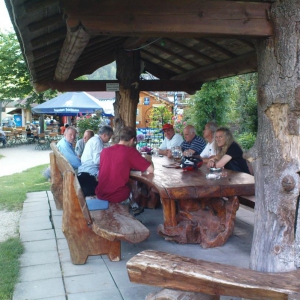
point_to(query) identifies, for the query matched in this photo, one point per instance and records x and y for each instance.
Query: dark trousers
(88, 183)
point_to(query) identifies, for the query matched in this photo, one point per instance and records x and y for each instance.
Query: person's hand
(169, 153)
(211, 163)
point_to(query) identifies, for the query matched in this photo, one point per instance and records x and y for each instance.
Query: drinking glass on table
(176, 153)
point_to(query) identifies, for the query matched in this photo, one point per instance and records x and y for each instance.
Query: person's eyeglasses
(219, 137)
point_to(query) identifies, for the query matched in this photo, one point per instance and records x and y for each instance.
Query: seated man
(88, 171)
(171, 139)
(209, 135)
(65, 146)
(116, 163)
(2, 137)
(81, 143)
(193, 144)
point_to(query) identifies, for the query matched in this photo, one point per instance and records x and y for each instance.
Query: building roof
(188, 42)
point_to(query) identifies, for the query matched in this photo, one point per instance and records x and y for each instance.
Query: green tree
(159, 115)
(212, 102)
(15, 81)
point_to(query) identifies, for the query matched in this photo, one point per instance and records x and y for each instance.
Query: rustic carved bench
(197, 276)
(90, 232)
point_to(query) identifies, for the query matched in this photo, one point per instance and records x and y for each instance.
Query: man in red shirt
(116, 162)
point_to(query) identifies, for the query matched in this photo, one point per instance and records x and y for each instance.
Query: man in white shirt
(90, 160)
(171, 139)
(209, 135)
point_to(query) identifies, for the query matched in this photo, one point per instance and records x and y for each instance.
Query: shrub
(92, 122)
(246, 140)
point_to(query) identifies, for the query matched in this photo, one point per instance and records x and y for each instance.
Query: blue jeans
(3, 139)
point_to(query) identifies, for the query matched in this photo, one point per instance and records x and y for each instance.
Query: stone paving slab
(33, 259)
(39, 289)
(89, 283)
(36, 226)
(112, 294)
(99, 278)
(40, 272)
(37, 236)
(40, 246)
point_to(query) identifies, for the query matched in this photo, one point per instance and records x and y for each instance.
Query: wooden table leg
(207, 221)
(169, 211)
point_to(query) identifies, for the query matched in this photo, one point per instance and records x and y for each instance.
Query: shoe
(137, 210)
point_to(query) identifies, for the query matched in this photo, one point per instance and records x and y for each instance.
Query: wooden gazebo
(184, 44)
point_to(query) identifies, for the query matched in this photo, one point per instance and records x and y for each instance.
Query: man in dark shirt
(193, 144)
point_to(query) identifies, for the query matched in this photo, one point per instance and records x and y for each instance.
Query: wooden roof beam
(191, 51)
(48, 38)
(172, 17)
(156, 70)
(216, 47)
(75, 42)
(164, 61)
(33, 27)
(187, 61)
(246, 63)
(143, 85)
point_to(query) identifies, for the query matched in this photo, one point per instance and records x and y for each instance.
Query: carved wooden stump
(144, 195)
(208, 222)
(168, 294)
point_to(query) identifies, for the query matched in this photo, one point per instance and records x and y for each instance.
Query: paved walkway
(47, 272)
(46, 269)
(20, 158)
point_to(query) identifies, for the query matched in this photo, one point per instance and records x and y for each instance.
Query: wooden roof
(183, 43)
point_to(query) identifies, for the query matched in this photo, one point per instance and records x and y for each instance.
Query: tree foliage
(212, 102)
(14, 76)
(15, 81)
(160, 115)
(231, 102)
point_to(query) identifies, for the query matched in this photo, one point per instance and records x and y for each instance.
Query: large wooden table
(196, 209)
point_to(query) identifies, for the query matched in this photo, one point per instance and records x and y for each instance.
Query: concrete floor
(47, 272)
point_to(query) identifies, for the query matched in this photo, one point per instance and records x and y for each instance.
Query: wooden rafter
(187, 61)
(191, 51)
(216, 47)
(171, 17)
(243, 64)
(74, 45)
(49, 38)
(55, 20)
(142, 85)
(164, 61)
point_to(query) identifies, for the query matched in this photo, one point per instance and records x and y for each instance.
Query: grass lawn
(14, 187)
(13, 194)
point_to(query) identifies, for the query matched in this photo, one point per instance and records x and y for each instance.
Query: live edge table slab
(196, 209)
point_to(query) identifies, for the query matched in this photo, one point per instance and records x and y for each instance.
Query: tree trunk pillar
(276, 154)
(127, 98)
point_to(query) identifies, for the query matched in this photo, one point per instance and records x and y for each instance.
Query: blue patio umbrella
(71, 104)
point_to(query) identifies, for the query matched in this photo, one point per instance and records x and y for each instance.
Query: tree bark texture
(127, 98)
(276, 153)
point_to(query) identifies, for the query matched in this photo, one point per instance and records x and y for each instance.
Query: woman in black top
(229, 153)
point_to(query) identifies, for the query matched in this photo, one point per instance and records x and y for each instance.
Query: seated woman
(228, 153)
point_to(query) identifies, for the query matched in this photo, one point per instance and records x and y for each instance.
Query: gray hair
(212, 126)
(106, 130)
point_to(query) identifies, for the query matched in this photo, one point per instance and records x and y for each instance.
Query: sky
(5, 23)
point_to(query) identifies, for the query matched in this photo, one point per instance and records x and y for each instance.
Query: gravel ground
(17, 160)
(9, 224)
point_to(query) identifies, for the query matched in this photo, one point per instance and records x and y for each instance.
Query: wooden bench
(198, 276)
(248, 201)
(90, 232)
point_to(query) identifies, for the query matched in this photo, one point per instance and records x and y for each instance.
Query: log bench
(208, 278)
(94, 232)
(248, 201)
